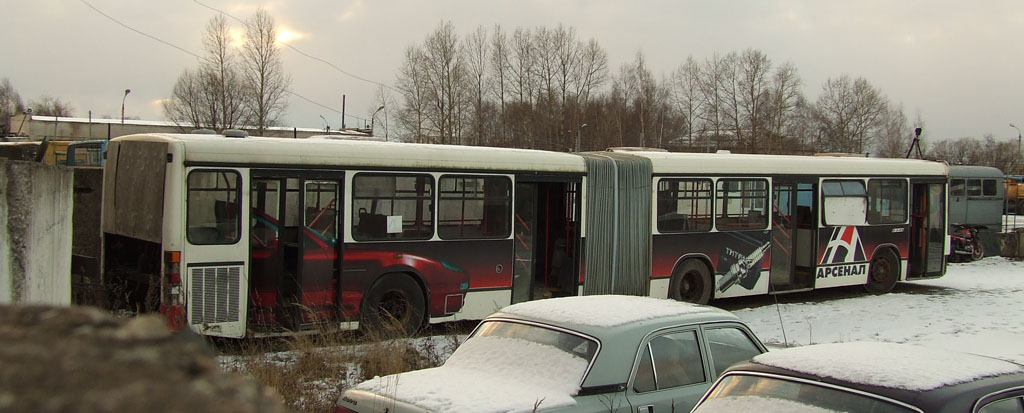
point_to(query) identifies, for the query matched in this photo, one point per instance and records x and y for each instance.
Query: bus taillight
(172, 305)
(172, 272)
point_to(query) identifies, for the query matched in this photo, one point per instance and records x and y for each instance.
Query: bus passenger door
(928, 240)
(792, 235)
(294, 251)
(546, 232)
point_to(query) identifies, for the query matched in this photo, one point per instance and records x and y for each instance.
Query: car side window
(1011, 405)
(670, 360)
(729, 346)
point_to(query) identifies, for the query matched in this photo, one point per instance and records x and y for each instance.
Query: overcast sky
(956, 63)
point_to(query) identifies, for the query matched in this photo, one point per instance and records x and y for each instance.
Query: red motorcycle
(966, 244)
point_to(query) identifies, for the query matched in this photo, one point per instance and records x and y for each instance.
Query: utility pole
(578, 132)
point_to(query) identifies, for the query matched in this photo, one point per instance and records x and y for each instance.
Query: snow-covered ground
(976, 307)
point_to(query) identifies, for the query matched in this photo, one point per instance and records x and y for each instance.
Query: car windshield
(750, 387)
(578, 346)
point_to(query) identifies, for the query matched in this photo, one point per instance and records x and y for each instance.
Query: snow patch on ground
(976, 308)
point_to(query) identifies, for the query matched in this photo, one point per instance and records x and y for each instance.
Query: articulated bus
(253, 236)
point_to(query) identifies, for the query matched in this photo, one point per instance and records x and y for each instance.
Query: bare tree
(637, 95)
(849, 113)
(893, 134)
(221, 75)
(412, 84)
(50, 106)
(970, 151)
(685, 88)
(477, 49)
(522, 66)
(186, 106)
(10, 105)
(753, 70)
(434, 83)
(593, 70)
(384, 102)
(499, 67)
(713, 79)
(263, 72)
(783, 101)
(446, 75)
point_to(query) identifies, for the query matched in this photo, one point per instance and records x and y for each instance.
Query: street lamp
(578, 131)
(1018, 148)
(373, 118)
(328, 127)
(126, 92)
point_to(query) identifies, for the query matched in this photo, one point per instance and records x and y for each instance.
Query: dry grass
(311, 371)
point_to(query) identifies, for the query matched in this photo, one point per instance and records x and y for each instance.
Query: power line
(195, 55)
(138, 31)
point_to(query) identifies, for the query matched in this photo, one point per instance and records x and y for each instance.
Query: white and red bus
(250, 236)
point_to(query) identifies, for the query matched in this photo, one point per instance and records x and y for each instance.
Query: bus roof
(262, 151)
(744, 164)
(970, 171)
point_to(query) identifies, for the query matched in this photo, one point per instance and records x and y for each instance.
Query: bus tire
(394, 301)
(883, 273)
(691, 282)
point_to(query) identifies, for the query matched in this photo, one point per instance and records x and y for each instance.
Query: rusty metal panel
(134, 189)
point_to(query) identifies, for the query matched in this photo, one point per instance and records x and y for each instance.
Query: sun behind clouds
(286, 35)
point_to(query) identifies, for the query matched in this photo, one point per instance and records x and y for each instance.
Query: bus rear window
(213, 208)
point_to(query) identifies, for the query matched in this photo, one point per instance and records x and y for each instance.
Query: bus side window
(213, 209)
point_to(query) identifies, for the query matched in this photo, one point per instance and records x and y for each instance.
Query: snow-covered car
(589, 354)
(868, 377)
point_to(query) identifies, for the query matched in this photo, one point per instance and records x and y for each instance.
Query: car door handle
(645, 409)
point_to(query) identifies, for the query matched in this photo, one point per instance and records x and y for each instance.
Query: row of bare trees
(543, 87)
(527, 88)
(987, 151)
(233, 87)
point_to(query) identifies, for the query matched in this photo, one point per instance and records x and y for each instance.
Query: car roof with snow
(617, 321)
(928, 378)
(597, 314)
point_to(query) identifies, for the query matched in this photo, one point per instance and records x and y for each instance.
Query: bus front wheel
(395, 302)
(691, 282)
(883, 273)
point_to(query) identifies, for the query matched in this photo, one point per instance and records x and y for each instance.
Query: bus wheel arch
(884, 271)
(394, 299)
(692, 281)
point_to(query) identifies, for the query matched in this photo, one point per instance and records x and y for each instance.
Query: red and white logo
(843, 247)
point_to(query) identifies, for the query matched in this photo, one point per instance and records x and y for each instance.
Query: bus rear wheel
(691, 282)
(395, 302)
(883, 273)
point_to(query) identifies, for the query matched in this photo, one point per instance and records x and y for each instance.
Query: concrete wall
(35, 233)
